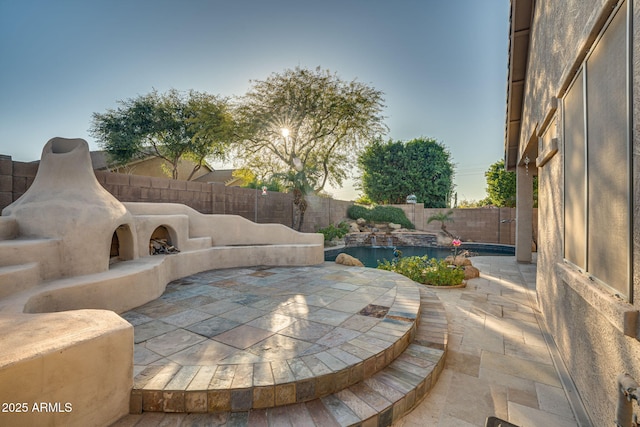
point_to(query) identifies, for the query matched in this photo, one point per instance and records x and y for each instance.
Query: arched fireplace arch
(162, 240)
(122, 244)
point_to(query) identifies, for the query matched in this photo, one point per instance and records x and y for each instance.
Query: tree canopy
(171, 126)
(307, 125)
(501, 186)
(393, 170)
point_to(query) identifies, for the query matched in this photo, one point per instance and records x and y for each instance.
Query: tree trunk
(444, 229)
(303, 209)
(296, 208)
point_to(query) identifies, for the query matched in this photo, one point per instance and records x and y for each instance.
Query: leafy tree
(468, 204)
(300, 183)
(501, 186)
(363, 200)
(307, 121)
(393, 170)
(253, 181)
(171, 126)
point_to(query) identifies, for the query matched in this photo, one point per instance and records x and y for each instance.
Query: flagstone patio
(500, 360)
(249, 342)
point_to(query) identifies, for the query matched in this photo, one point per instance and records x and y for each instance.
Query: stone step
(196, 243)
(8, 228)
(46, 252)
(391, 393)
(378, 400)
(16, 278)
(248, 384)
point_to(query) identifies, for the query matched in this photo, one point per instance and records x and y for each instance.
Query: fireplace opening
(64, 145)
(121, 245)
(161, 240)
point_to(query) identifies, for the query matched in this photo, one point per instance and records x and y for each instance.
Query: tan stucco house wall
(573, 108)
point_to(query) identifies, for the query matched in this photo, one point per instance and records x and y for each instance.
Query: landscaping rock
(353, 228)
(394, 226)
(443, 239)
(459, 261)
(346, 259)
(470, 272)
(361, 221)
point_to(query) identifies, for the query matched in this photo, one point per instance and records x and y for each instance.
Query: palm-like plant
(442, 217)
(300, 183)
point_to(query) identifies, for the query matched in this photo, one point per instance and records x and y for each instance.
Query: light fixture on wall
(412, 200)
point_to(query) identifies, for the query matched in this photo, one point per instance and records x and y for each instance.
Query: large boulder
(394, 226)
(471, 272)
(458, 261)
(346, 259)
(443, 239)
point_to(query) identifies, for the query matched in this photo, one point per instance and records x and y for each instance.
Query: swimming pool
(370, 255)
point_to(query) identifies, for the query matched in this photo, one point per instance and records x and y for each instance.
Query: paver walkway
(499, 362)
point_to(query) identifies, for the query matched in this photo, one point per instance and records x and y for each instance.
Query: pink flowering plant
(456, 244)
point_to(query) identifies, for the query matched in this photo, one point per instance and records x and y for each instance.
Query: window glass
(575, 186)
(608, 157)
(597, 163)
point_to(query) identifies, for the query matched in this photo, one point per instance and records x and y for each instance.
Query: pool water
(370, 255)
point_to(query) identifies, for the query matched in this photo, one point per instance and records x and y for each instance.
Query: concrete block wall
(23, 175)
(249, 203)
(207, 198)
(415, 213)
(135, 188)
(323, 211)
(479, 225)
(487, 225)
(6, 180)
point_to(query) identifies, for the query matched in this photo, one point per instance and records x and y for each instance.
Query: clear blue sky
(442, 64)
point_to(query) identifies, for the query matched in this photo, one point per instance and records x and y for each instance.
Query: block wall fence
(207, 198)
(489, 225)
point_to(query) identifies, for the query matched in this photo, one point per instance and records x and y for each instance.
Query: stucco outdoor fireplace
(72, 255)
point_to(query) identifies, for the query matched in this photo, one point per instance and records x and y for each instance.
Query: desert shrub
(429, 271)
(380, 214)
(357, 211)
(332, 231)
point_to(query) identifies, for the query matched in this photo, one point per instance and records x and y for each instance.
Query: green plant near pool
(332, 231)
(429, 271)
(380, 214)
